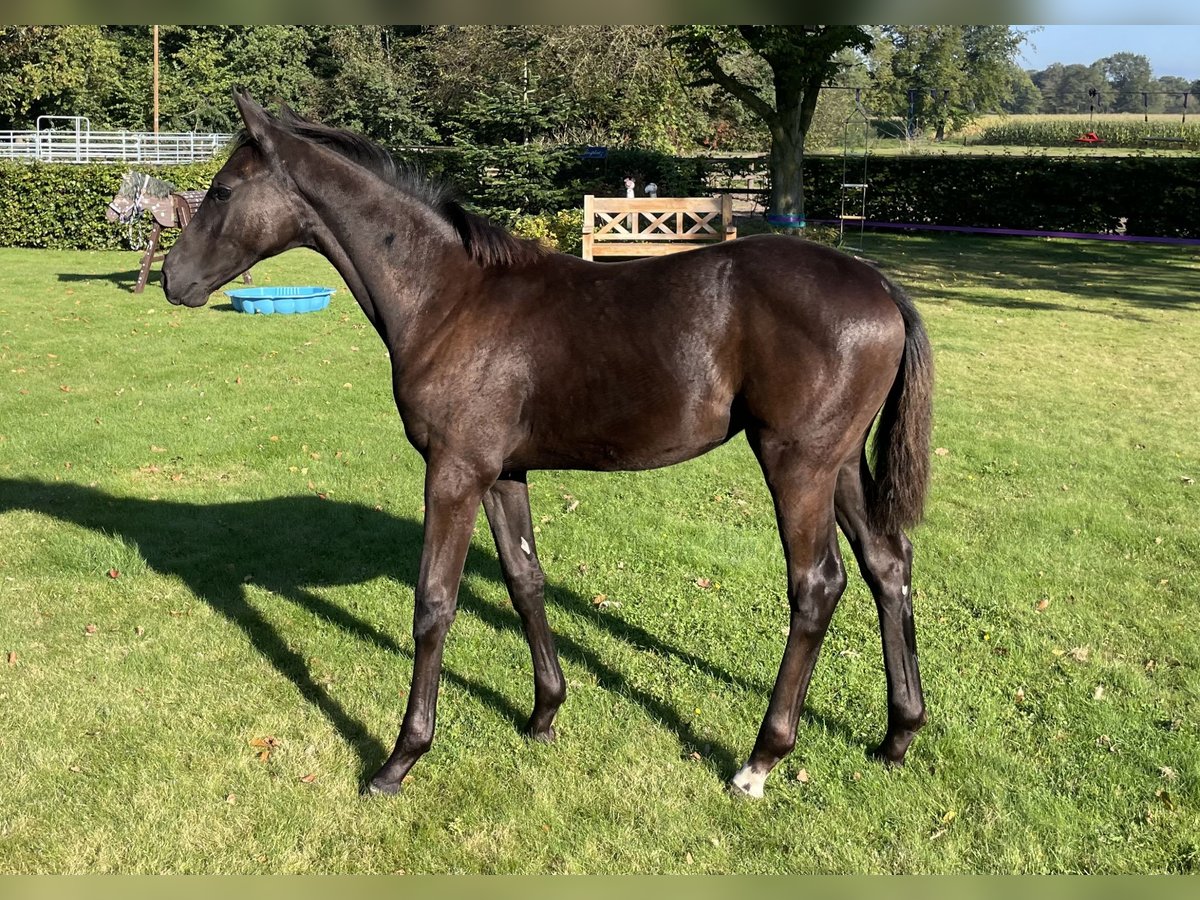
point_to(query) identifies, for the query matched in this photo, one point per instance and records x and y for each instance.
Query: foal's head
(252, 211)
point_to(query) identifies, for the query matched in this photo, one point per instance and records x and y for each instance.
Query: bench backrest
(654, 226)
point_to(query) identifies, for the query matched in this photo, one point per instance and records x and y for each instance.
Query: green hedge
(1155, 196)
(61, 206)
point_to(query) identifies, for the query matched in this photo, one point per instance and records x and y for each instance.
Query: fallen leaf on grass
(89, 629)
(309, 778)
(266, 744)
(12, 658)
(139, 631)
(942, 451)
(113, 573)
(1165, 798)
(231, 799)
(598, 599)
(802, 776)
(703, 583)
(1042, 604)
(1168, 773)
(1080, 654)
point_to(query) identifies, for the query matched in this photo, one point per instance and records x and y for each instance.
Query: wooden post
(156, 81)
(588, 219)
(727, 217)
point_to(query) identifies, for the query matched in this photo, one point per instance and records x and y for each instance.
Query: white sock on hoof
(749, 782)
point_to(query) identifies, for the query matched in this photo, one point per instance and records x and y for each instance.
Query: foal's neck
(393, 251)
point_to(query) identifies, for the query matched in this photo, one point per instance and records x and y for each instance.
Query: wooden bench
(654, 226)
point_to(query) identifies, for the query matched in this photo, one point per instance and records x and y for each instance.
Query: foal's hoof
(378, 787)
(881, 753)
(543, 736)
(747, 783)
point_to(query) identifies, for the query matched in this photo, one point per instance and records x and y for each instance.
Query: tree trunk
(786, 206)
(796, 101)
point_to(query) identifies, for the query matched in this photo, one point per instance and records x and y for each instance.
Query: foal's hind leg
(803, 497)
(507, 507)
(886, 564)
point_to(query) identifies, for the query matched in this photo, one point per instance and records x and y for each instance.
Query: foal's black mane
(486, 243)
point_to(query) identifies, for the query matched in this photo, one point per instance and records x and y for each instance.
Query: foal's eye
(221, 193)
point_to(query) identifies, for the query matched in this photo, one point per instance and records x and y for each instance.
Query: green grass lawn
(209, 529)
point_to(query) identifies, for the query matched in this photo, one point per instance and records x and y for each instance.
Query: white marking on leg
(749, 782)
(528, 552)
(904, 590)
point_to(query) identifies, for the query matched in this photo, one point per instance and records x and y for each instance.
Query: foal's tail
(901, 465)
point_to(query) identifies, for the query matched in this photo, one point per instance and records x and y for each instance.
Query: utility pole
(156, 81)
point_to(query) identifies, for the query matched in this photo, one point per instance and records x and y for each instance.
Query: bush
(61, 206)
(1148, 195)
(562, 230)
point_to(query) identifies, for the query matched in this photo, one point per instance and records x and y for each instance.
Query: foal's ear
(259, 123)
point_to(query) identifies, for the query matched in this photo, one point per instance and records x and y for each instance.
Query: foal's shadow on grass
(214, 547)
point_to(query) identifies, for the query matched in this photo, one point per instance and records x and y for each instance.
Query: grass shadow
(217, 549)
(120, 279)
(1136, 277)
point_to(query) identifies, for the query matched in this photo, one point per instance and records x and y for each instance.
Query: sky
(1171, 49)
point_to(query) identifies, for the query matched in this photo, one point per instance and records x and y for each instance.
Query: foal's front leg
(452, 494)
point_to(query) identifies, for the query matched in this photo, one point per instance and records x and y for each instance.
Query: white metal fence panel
(80, 145)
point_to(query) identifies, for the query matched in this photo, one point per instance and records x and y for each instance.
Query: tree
(794, 60)
(1171, 89)
(621, 82)
(1128, 76)
(946, 75)
(370, 78)
(1024, 97)
(66, 70)
(1065, 89)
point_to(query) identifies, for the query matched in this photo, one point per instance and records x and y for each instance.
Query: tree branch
(741, 91)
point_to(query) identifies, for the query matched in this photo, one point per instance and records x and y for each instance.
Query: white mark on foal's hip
(525, 547)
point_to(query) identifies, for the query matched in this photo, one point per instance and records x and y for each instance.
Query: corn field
(1129, 130)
